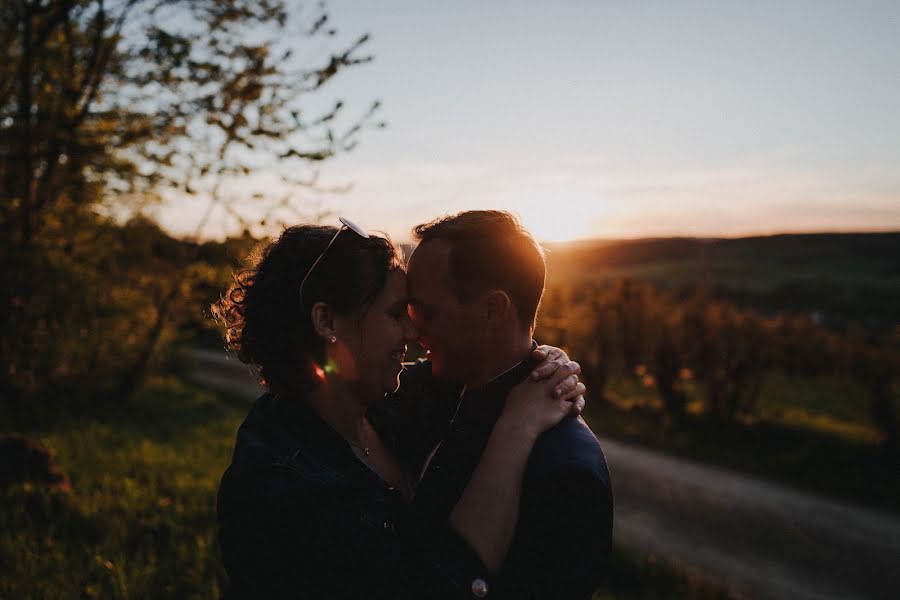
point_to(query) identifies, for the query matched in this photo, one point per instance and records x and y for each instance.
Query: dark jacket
(563, 537)
(300, 516)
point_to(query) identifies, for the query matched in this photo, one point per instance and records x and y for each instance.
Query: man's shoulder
(568, 449)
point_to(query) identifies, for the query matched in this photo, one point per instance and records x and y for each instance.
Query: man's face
(449, 329)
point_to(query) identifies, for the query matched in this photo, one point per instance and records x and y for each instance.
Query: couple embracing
(469, 474)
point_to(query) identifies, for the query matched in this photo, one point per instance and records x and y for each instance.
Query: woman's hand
(556, 368)
(544, 399)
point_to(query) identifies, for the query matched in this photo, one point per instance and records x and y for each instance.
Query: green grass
(807, 433)
(825, 405)
(140, 520)
(651, 578)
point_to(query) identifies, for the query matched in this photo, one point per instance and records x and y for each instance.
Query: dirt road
(759, 539)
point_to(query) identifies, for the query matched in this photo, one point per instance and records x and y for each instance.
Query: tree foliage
(664, 340)
(107, 105)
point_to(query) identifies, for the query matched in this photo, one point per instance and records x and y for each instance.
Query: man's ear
(323, 320)
(496, 306)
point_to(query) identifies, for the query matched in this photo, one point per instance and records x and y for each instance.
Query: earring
(333, 339)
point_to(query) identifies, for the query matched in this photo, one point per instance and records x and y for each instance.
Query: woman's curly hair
(265, 324)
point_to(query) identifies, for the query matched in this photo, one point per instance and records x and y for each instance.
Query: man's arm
(563, 540)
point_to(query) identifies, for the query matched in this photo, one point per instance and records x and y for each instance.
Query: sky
(620, 119)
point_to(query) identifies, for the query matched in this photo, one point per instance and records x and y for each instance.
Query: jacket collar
(280, 426)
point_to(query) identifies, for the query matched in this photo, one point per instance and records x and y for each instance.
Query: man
(475, 282)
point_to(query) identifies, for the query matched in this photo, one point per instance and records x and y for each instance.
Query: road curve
(756, 538)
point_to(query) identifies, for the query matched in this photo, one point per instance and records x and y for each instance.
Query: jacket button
(479, 588)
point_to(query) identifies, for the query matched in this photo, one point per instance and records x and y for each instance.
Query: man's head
(475, 280)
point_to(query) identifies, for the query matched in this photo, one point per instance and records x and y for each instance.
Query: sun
(559, 217)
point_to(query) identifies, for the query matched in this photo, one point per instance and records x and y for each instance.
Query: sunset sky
(625, 119)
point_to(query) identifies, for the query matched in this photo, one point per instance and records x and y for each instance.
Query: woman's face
(372, 345)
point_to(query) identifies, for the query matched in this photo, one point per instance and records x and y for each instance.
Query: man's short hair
(490, 249)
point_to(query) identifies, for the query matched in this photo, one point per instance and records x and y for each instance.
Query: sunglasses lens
(356, 228)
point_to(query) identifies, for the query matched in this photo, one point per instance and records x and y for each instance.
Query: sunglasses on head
(345, 224)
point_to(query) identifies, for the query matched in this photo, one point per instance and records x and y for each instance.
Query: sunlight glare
(560, 217)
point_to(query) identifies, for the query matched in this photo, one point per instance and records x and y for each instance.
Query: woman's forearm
(486, 514)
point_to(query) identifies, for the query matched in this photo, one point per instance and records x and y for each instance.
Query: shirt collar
(483, 404)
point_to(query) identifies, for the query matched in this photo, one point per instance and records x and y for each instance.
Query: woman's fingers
(564, 386)
(552, 367)
(577, 405)
(563, 374)
(577, 390)
(547, 352)
(551, 357)
(547, 368)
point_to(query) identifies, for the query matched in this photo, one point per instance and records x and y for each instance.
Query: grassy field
(812, 433)
(650, 578)
(140, 519)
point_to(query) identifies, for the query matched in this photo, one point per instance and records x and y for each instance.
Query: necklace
(364, 447)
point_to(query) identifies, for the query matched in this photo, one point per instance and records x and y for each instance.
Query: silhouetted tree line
(842, 278)
(631, 329)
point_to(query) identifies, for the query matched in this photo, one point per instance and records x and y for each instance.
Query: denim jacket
(300, 516)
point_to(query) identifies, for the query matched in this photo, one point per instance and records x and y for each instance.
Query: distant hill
(837, 277)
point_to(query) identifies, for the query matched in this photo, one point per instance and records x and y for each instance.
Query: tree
(107, 105)
(667, 368)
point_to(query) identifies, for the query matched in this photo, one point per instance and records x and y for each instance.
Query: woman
(317, 502)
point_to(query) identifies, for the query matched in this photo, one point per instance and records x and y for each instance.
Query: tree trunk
(135, 375)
